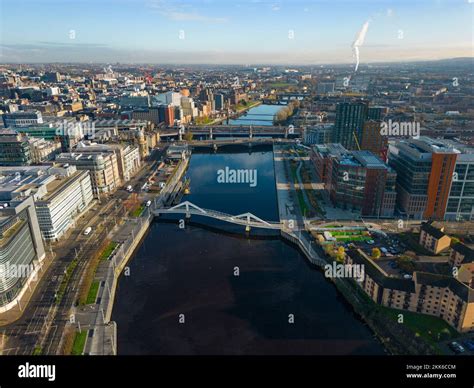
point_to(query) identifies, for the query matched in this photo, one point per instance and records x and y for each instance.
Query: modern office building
(68, 132)
(166, 114)
(361, 181)
(377, 112)
(460, 205)
(167, 98)
(149, 114)
(218, 101)
(356, 180)
(14, 149)
(60, 193)
(135, 101)
(21, 250)
(318, 134)
(350, 118)
(22, 119)
(372, 139)
(425, 170)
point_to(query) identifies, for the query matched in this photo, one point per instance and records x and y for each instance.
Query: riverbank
(95, 317)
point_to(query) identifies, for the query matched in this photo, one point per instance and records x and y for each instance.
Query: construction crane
(356, 140)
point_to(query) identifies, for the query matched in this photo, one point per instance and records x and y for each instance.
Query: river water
(260, 115)
(203, 290)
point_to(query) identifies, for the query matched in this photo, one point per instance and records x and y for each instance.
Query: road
(42, 323)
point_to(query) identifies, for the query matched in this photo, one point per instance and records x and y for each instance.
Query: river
(237, 294)
(260, 115)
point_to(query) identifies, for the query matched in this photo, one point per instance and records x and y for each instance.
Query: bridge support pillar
(210, 134)
(247, 228)
(188, 215)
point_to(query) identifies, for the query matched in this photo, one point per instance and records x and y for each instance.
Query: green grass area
(108, 250)
(67, 276)
(37, 351)
(204, 120)
(93, 290)
(138, 211)
(240, 107)
(79, 343)
(345, 238)
(431, 329)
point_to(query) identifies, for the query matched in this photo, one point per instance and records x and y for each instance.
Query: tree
(188, 136)
(341, 253)
(376, 253)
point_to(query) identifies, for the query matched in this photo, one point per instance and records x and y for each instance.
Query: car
(407, 276)
(148, 203)
(469, 344)
(87, 231)
(456, 347)
(370, 242)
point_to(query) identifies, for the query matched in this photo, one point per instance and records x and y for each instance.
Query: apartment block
(438, 295)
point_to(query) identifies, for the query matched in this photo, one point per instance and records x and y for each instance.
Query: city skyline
(261, 32)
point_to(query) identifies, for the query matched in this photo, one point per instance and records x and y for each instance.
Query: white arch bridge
(246, 219)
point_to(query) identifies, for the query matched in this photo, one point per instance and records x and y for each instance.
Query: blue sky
(247, 31)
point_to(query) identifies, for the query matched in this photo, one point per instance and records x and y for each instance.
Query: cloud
(179, 11)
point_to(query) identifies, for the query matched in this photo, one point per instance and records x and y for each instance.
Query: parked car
(87, 231)
(456, 347)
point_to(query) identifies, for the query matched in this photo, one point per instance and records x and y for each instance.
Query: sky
(234, 32)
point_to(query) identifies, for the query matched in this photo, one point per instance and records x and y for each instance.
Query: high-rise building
(461, 196)
(372, 139)
(350, 118)
(218, 101)
(425, 170)
(166, 114)
(377, 112)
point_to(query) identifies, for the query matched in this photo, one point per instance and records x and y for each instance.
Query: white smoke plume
(359, 41)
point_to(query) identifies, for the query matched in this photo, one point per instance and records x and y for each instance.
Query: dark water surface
(191, 271)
